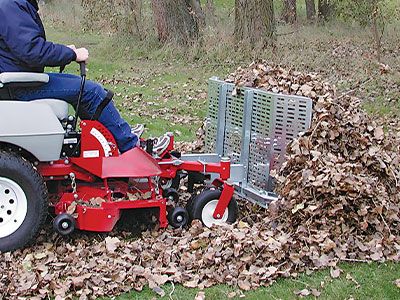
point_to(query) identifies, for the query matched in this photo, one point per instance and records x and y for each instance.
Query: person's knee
(96, 89)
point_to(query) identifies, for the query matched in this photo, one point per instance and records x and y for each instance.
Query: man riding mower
(89, 176)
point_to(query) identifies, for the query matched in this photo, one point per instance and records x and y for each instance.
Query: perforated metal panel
(214, 88)
(253, 128)
(233, 125)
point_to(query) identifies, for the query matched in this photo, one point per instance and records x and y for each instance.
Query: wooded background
(254, 22)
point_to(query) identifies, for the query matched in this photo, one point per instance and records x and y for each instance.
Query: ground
(166, 88)
(358, 281)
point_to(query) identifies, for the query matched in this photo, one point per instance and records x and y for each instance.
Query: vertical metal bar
(247, 122)
(212, 118)
(221, 119)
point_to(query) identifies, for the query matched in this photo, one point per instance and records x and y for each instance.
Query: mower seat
(22, 79)
(59, 107)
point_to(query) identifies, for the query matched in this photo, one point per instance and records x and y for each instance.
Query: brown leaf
(200, 296)
(335, 273)
(303, 293)
(397, 283)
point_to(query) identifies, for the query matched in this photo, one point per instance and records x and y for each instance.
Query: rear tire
(204, 204)
(23, 202)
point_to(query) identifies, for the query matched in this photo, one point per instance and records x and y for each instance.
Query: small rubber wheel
(193, 198)
(23, 202)
(171, 194)
(204, 206)
(64, 224)
(178, 217)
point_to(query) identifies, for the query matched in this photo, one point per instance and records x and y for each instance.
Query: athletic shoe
(161, 144)
(138, 130)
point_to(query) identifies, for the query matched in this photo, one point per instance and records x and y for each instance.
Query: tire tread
(16, 162)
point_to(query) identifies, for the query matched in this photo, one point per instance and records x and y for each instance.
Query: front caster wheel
(178, 217)
(64, 224)
(171, 195)
(204, 205)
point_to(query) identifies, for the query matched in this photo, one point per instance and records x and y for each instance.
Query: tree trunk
(289, 11)
(310, 9)
(210, 6)
(325, 9)
(197, 10)
(255, 22)
(134, 17)
(377, 36)
(175, 22)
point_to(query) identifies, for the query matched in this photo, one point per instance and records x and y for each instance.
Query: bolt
(64, 225)
(109, 216)
(179, 218)
(218, 216)
(66, 162)
(171, 197)
(76, 196)
(51, 177)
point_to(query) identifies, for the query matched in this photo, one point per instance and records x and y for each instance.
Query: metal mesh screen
(261, 143)
(254, 127)
(233, 124)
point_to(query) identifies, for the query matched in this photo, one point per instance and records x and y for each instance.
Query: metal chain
(73, 182)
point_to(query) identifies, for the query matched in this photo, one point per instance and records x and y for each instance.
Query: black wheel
(178, 217)
(171, 195)
(204, 206)
(193, 198)
(64, 224)
(23, 202)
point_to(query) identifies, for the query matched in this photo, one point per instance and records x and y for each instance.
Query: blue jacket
(23, 45)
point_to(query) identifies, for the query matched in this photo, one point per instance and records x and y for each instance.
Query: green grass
(371, 281)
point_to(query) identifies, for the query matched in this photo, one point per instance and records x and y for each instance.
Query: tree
(255, 22)
(114, 15)
(210, 11)
(198, 11)
(289, 11)
(325, 9)
(310, 9)
(176, 21)
(375, 14)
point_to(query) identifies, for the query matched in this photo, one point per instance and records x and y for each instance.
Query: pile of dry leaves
(340, 185)
(340, 201)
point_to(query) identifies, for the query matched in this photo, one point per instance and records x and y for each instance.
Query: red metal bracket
(224, 200)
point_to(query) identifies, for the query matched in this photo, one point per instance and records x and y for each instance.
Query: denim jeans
(66, 87)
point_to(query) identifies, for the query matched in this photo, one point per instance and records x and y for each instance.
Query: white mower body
(34, 126)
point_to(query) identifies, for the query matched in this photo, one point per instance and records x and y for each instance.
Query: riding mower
(49, 163)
